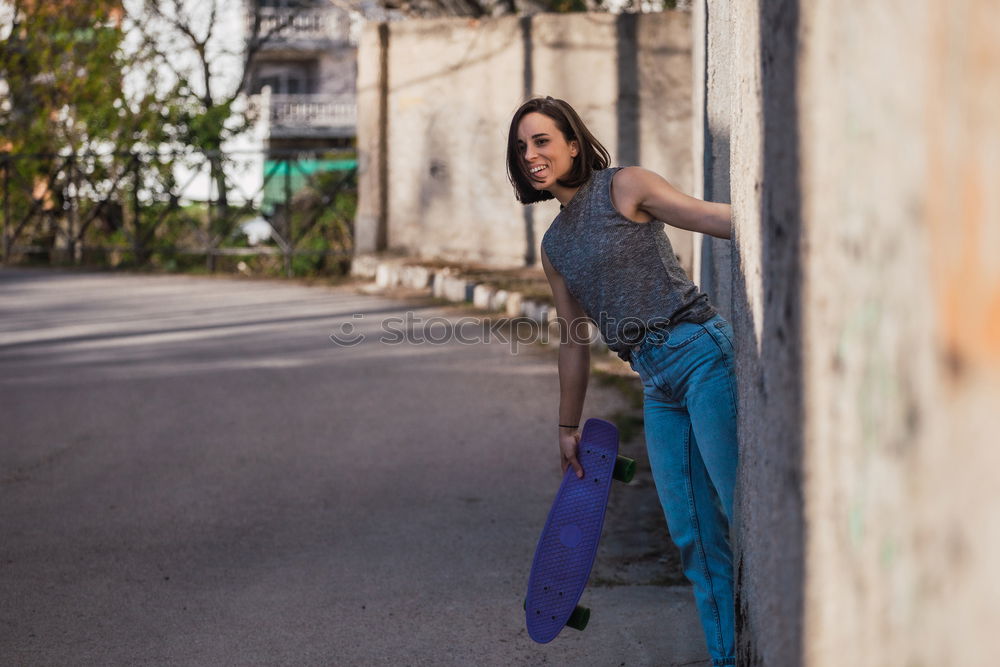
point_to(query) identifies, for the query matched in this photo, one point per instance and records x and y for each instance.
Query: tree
(62, 69)
(207, 47)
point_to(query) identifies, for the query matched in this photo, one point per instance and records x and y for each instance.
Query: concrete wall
(901, 163)
(866, 297)
(712, 108)
(451, 87)
(748, 156)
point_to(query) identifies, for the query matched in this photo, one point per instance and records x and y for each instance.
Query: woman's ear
(574, 148)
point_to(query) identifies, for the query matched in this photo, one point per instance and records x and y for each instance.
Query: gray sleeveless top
(624, 274)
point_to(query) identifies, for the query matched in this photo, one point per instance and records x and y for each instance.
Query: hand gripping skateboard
(568, 544)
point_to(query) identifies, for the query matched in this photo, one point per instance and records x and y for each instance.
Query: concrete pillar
(371, 219)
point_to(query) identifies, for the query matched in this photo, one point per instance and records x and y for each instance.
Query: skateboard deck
(566, 549)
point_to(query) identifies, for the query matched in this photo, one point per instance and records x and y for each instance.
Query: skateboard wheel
(578, 619)
(624, 469)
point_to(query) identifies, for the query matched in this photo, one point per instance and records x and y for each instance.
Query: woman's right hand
(569, 442)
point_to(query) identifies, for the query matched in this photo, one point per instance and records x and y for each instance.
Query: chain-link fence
(264, 212)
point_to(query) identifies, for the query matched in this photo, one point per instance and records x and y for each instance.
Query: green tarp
(298, 173)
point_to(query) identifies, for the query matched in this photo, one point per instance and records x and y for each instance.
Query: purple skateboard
(568, 544)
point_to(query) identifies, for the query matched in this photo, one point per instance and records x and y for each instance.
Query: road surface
(193, 473)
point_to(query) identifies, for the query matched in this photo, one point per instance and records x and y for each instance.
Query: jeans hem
(723, 662)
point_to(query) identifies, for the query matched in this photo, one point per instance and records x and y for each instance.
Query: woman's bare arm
(653, 194)
(574, 364)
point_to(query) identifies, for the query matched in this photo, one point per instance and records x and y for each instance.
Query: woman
(608, 260)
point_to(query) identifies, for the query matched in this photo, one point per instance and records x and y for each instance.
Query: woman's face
(545, 151)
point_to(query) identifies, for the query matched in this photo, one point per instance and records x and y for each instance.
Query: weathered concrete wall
(768, 304)
(901, 162)
(449, 100)
(751, 158)
(453, 85)
(866, 298)
(711, 58)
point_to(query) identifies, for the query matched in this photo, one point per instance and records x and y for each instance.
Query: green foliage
(79, 147)
(64, 68)
(204, 128)
(62, 78)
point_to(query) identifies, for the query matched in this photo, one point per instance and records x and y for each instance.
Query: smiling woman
(609, 261)
(549, 143)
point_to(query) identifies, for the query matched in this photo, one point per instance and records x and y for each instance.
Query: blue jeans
(689, 406)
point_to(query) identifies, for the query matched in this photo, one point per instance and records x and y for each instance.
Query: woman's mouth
(538, 172)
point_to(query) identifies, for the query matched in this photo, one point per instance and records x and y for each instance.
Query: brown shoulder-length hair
(592, 156)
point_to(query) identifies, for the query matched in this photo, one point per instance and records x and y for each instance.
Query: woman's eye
(542, 141)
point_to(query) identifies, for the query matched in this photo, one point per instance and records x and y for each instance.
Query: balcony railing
(312, 111)
(291, 25)
(292, 116)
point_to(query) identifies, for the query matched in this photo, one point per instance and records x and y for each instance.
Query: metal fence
(285, 212)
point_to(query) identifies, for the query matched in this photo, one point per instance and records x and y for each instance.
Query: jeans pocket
(725, 330)
(683, 334)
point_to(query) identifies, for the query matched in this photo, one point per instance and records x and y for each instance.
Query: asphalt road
(193, 473)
